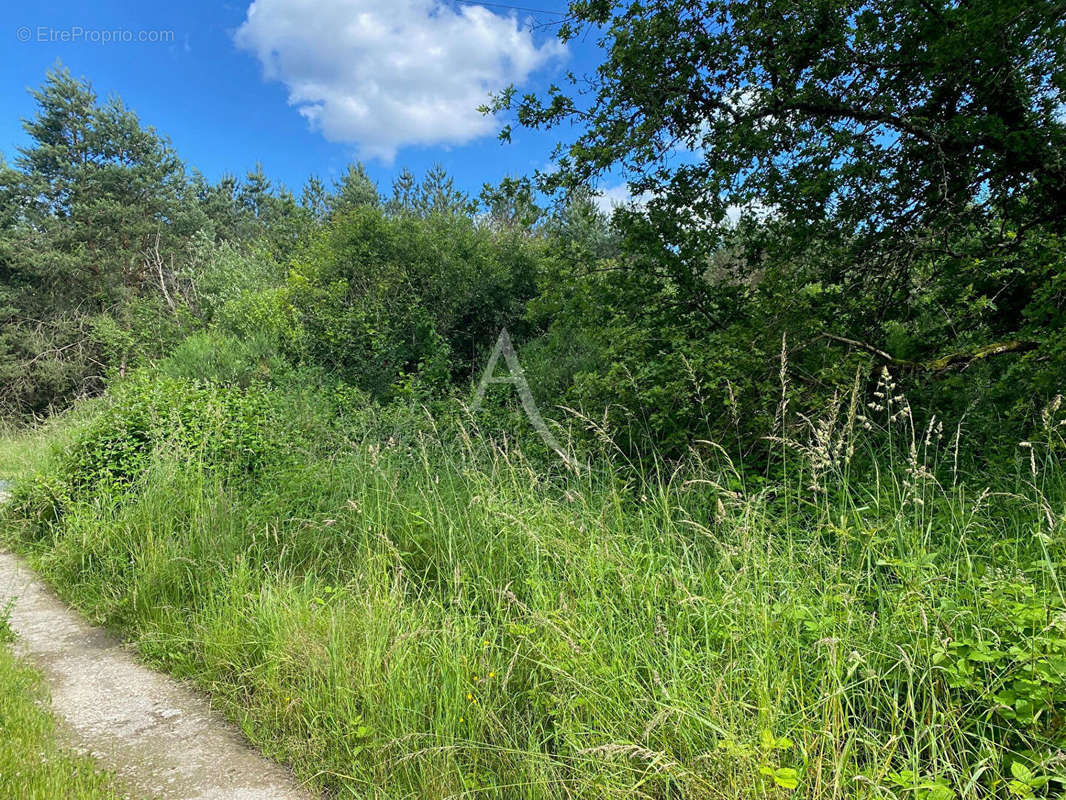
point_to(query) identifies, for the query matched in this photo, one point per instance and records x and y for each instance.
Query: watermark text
(78, 34)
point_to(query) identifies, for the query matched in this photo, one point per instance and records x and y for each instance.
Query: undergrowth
(400, 611)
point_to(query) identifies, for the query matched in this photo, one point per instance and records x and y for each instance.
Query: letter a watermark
(517, 377)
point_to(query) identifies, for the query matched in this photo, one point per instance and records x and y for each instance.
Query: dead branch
(154, 258)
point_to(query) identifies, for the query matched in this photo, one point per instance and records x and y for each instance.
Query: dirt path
(158, 737)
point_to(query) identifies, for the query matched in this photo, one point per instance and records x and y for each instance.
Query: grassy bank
(33, 766)
(399, 612)
(24, 452)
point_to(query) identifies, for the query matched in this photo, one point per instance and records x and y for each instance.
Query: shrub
(401, 304)
(220, 428)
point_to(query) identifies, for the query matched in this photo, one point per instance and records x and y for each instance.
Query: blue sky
(303, 86)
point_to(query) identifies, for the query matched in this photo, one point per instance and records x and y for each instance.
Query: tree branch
(938, 365)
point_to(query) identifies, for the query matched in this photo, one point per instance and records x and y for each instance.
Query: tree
(273, 217)
(354, 190)
(389, 300)
(511, 204)
(435, 194)
(897, 168)
(439, 194)
(889, 126)
(882, 181)
(94, 189)
(405, 193)
(92, 217)
(315, 198)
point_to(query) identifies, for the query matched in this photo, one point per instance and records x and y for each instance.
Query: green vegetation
(32, 765)
(399, 608)
(810, 537)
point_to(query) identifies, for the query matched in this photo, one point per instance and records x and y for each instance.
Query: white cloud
(610, 197)
(384, 74)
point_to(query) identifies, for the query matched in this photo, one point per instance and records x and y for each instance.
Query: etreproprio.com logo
(76, 34)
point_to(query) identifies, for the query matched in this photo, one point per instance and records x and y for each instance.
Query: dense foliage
(896, 166)
(399, 608)
(865, 120)
(662, 327)
(809, 535)
(102, 232)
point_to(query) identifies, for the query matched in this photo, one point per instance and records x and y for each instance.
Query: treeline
(113, 253)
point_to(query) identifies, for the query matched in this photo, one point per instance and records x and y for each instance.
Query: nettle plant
(1013, 659)
(768, 754)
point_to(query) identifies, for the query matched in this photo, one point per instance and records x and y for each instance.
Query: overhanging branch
(938, 365)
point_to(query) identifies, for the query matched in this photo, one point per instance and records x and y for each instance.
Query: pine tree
(93, 217)
(354, 190)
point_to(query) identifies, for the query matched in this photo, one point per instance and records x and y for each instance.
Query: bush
(220, 358)
(403, 304)
(221, 429)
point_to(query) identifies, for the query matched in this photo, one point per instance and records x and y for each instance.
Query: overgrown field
(400, 608)
(33, 766)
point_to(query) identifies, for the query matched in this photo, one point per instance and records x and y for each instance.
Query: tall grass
(24, 451)
(435, 617)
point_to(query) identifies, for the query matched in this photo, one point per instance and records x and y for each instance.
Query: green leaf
(940, 792)
(1019, 789)
(786, 777)
(1021, 772)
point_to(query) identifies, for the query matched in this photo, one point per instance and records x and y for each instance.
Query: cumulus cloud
(384, 74)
